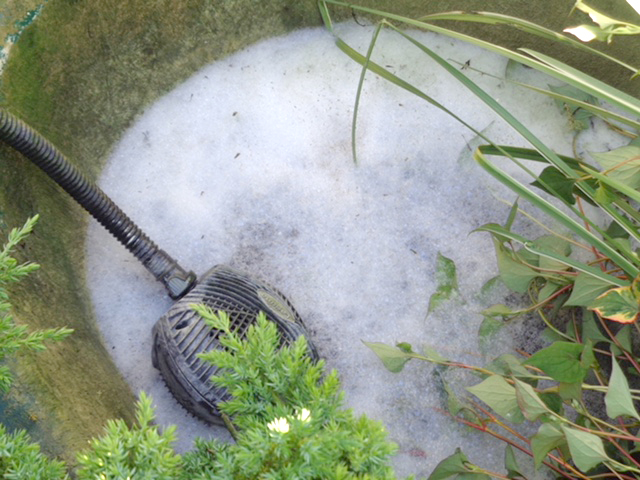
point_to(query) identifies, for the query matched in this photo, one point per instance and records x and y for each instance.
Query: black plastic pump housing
(181, 334)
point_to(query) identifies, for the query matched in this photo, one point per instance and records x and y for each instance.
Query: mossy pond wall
(80, 74)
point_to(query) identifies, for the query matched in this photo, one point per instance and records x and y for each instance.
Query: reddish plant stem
(625, 452)
(611, 438)
(494, 419)
(615, 340)
(484, 429)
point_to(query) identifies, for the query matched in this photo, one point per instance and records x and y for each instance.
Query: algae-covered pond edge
(11, 38)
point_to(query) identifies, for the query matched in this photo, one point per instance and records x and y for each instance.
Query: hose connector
(36, 148)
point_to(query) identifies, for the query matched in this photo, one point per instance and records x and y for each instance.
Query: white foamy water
(248, 163)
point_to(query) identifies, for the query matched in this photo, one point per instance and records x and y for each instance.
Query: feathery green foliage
(17, 337)
(140, 452)
(19, 457)
(22, 459)
(288, 415)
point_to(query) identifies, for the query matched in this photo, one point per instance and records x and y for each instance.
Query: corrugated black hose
(36, 148)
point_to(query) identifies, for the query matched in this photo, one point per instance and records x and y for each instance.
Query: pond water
(249, 164)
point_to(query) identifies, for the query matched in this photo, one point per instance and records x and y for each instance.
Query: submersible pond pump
(181, 334)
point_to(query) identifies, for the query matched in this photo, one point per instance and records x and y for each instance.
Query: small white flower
(304, 415)
(279, 425)
(581, 32)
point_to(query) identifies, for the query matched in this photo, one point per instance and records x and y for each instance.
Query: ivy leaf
(456, 466)
(570, 391)
(447, 280)
(561, 361)
(586, 289)
(507, 365)
(511, 464)
(587, 357)
(573, 92)
(621, 244)
(489, 286)
(488, 328)
(555, 245)
(548, 438)
(433, 356)
(551, 336)
(604, 194)
(618, 398)
(615, 230)
(393, 358)
(528, 257)
(549, 288)
(496, 392)
(531, 405)
(580, 119)
(452, 465)
(553, 401)
(552, 178)
(454, 405)
(617, 304)
(622, 164)
(513, 273)
(624, 337)
(587, 449)
(590, 330)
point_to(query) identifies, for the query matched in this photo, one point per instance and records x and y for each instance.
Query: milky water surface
(248, 163)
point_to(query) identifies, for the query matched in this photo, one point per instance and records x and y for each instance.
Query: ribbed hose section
(36, 148)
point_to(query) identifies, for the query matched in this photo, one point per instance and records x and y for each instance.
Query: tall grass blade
(492, 18)
(365, 67)
(534, 61)
(629, 268)
(588, 83)
(599, 111)
(576, 265)
(619, 202)
(387, 75)
(553, 68)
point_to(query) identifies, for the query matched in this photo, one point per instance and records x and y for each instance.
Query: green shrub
(287, 415)
(14, 338)
(140, 452)
(19, 457)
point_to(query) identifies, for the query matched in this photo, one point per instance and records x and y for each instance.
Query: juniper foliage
(288, 414)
